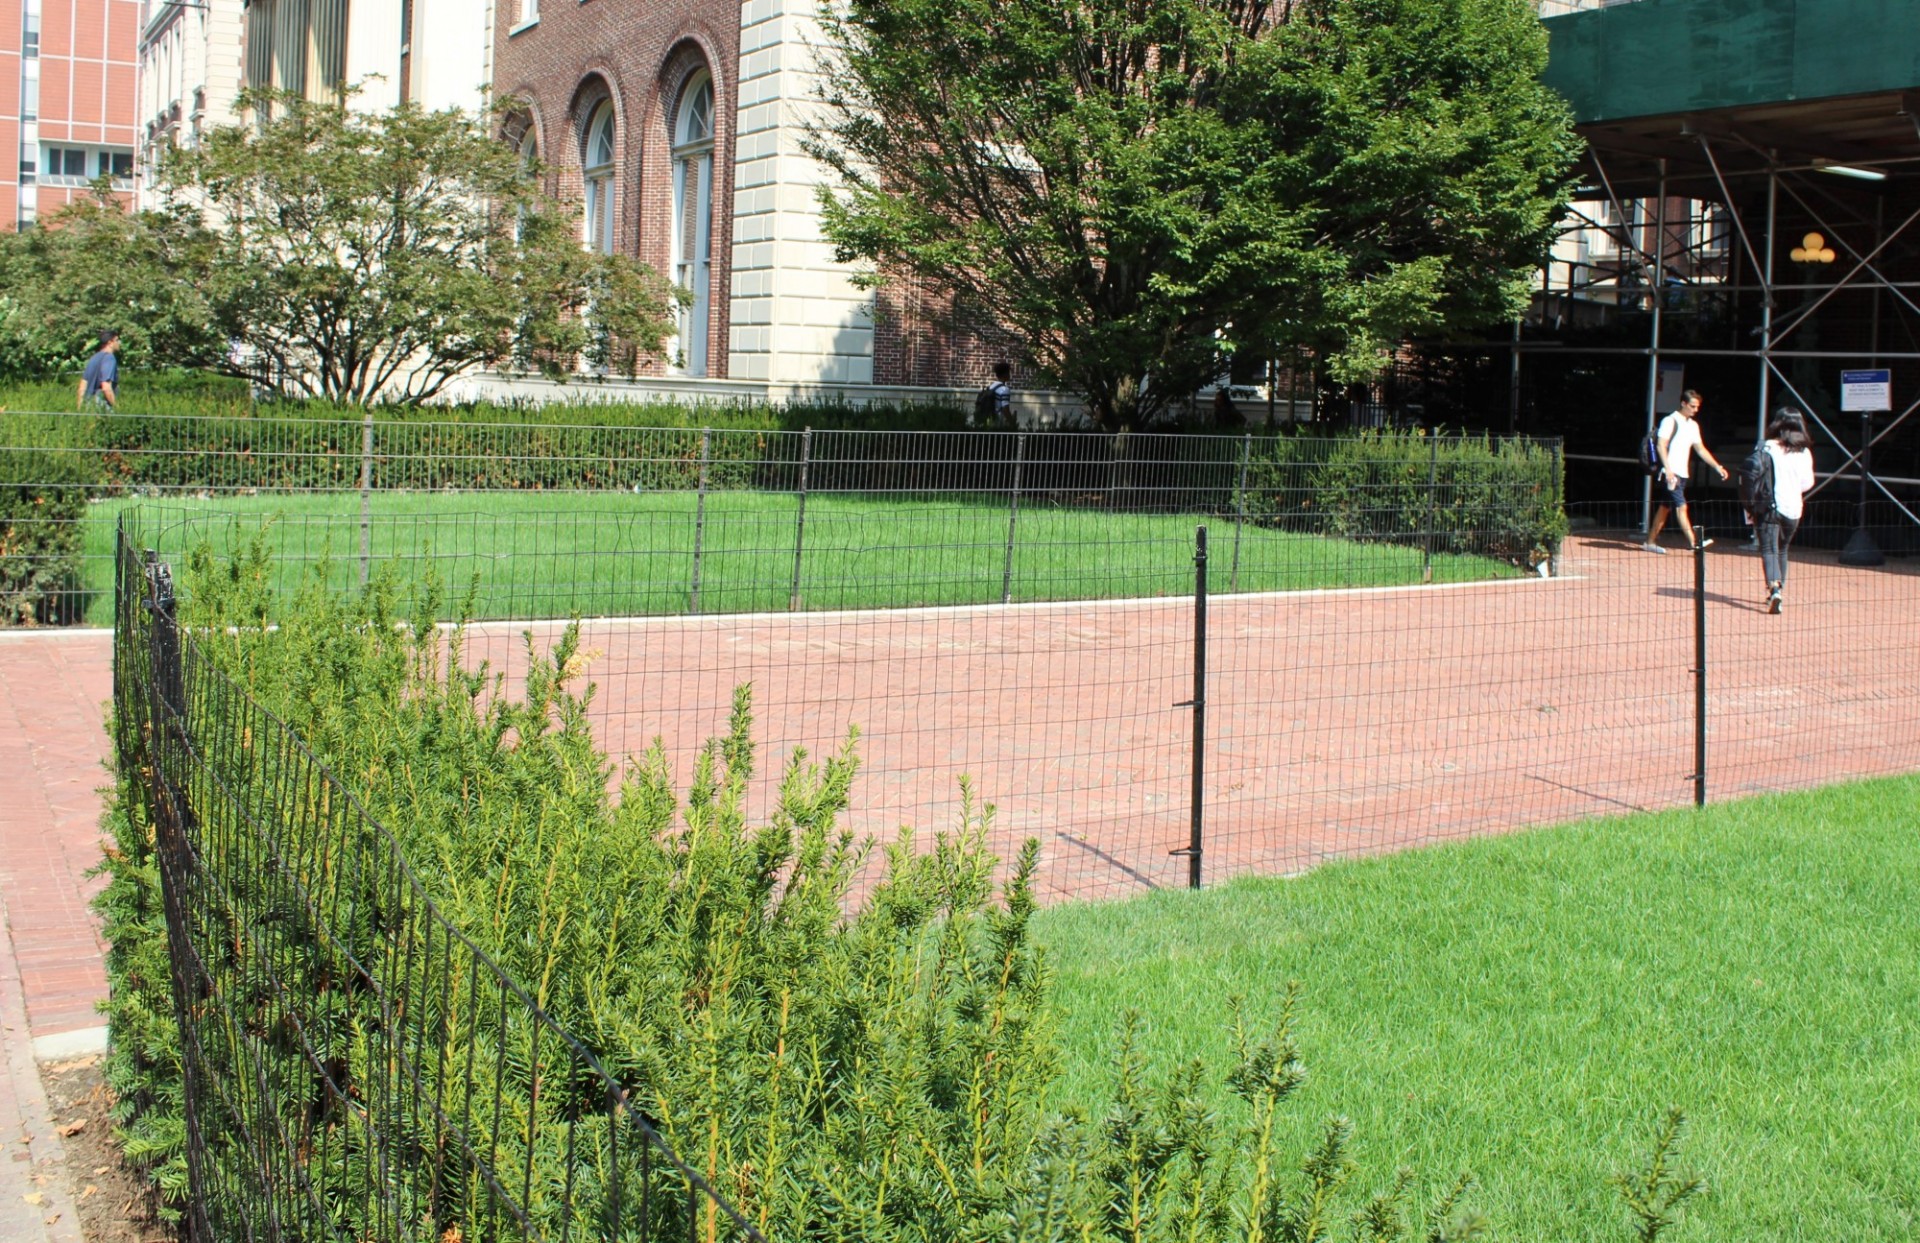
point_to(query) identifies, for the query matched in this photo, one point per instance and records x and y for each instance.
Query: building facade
(195, 60)
(677, 129)
(66, 102)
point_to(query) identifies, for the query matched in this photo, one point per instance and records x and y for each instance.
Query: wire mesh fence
(354, 1067)
(691, 520)
(1360, 694)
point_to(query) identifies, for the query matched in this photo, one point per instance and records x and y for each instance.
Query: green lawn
(1526, 1007)
(618, 554)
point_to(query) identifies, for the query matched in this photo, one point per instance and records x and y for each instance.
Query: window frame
(691, 258)
(597, 175)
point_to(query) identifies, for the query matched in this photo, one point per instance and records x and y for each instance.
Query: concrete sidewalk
(53, 747)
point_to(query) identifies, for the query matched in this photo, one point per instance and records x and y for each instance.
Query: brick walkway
(1339, 722)
(53, 747)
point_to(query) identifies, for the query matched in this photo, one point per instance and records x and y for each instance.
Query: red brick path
(53, 746)
(1339, 723)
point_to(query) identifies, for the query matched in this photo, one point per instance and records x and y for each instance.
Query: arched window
(521, 136)
(596, 158)
(693, 216)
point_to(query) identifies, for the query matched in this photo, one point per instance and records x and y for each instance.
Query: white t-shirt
(1680, 435)
(1792, 479)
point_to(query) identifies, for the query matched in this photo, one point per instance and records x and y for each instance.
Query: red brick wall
(87, 56)
(920, 339)
(640, 56)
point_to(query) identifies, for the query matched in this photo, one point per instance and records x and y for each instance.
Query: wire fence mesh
(354, 1067)
(673, 520)
(1361, 695)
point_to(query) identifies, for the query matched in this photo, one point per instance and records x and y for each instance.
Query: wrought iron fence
(355, 1068)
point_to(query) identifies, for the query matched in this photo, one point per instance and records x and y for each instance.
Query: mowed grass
(1527, 1007)
(556, 555)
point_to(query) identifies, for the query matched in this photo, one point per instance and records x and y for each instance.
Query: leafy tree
(1136, 186)
(362, 256)
(93, 266)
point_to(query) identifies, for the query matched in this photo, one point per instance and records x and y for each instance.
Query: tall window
(597, 158)
(693, 216)
(527, 144)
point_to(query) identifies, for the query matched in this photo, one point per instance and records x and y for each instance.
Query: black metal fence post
(366, 496)
(1196, 834)
(1700, 667)
(800, 518)
(1240, 510)
(700, 518)
(1433, 483)
(1013, 518)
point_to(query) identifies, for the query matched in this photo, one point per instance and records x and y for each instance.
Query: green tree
(379, 255)
(1135, 187)
(93, 266)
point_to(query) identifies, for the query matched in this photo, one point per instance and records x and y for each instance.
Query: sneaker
(1773, 603)
(1654, 548)
(1705, 543)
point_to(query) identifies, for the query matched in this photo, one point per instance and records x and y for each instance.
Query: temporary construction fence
(1350, 697)
(354, 1067)
(758, 520)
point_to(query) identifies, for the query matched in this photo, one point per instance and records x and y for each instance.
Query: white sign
(1667, 390)
(1866, 390)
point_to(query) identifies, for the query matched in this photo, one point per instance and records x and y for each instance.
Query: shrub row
(1503, 499)
(42, 501)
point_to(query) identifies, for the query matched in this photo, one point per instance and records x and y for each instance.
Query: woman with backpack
(1791, 458)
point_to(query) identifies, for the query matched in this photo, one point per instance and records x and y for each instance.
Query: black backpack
(986, 407)
(1756, 483)
(1650, 454)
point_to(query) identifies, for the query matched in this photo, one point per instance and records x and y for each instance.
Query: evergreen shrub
(846, 1046)
(41, 504)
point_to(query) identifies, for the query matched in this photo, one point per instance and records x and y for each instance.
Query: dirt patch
(114, 1204)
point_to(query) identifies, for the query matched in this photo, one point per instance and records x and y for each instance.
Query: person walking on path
(1790, 448)
(100, 382)
(1678, 439)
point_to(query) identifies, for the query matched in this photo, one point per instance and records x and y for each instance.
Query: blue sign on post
(1866, 391)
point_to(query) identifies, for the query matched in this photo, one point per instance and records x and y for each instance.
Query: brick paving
(53, 748)
(1340, 723)
(52, 745)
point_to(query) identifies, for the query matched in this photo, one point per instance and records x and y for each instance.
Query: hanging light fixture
(1850, 170)
(1812, 249)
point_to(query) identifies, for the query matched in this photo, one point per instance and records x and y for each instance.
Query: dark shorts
(1674, 497)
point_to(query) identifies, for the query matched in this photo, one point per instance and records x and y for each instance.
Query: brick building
(66, 101)
(677, 127)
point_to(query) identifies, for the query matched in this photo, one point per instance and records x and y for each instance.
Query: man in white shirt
(1678, 439)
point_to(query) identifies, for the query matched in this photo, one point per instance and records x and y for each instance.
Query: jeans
(1775, 534)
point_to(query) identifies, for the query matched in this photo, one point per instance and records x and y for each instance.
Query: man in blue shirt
(100, 381)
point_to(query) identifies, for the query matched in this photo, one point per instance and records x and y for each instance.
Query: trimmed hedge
(1503, 499)
(41, 505)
